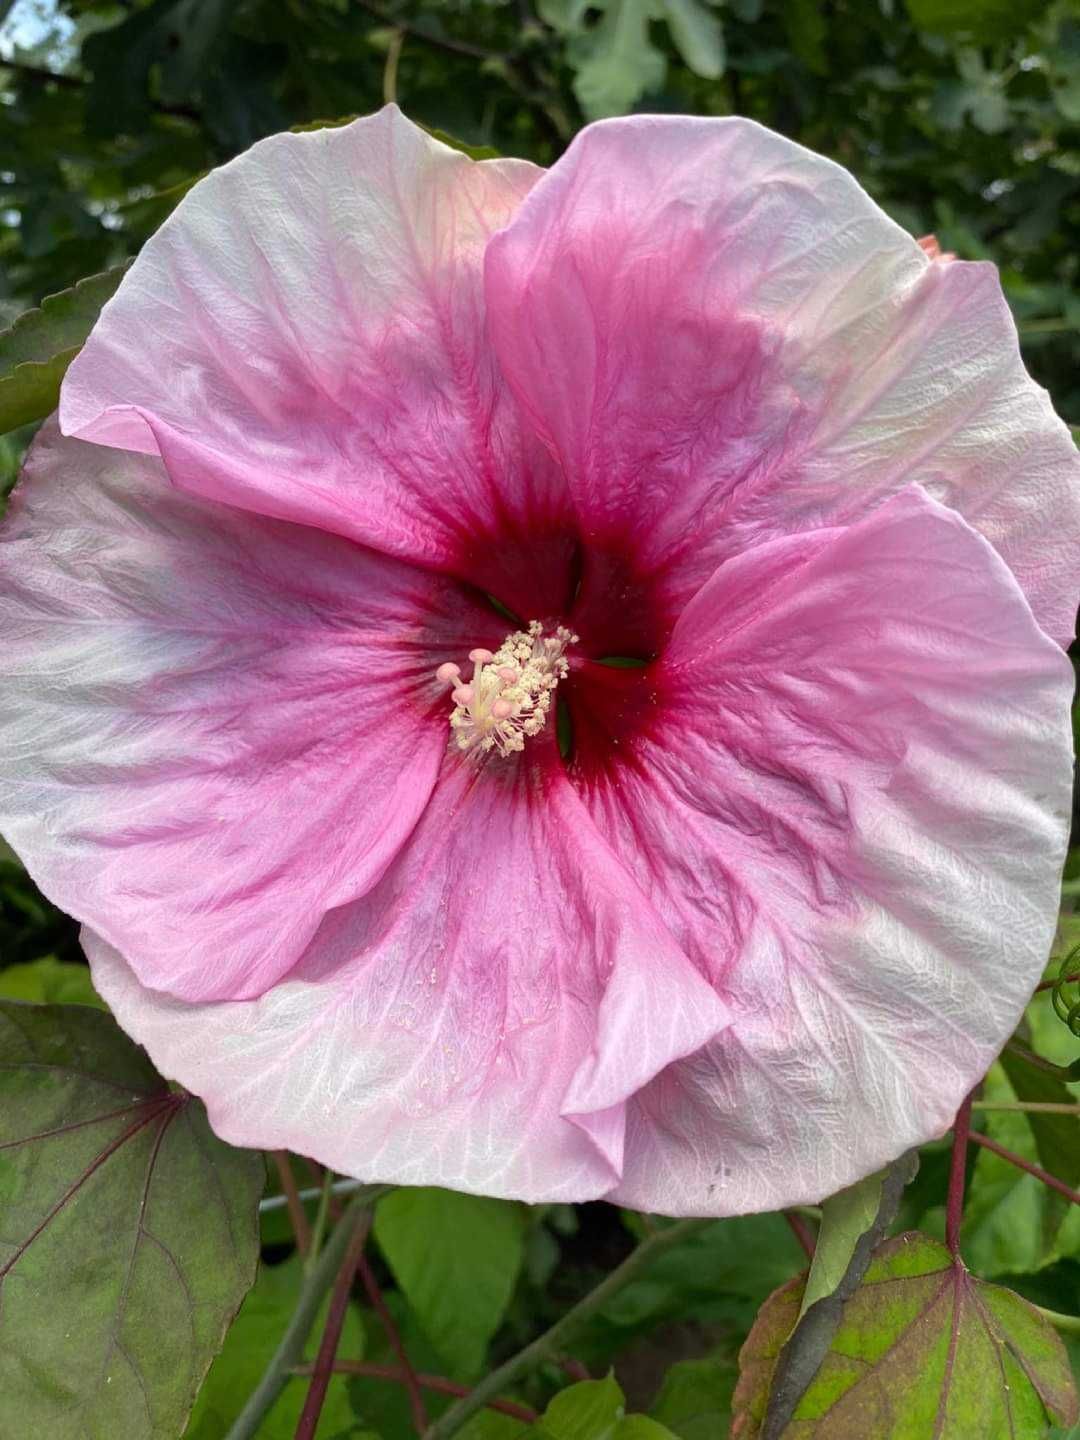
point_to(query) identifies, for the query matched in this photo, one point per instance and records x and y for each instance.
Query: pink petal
(304, 337)
(723, 339)
(213, 727)
(851, 813)
(478, 1020)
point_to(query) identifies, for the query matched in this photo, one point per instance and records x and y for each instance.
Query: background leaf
(36, 350)
(252, 1339)
(456, 1259)
(129, 1233)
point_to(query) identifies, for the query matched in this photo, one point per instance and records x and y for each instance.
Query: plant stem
(1067, 1324)
(318, 1230)
(954, 1205)
(1036, 1107)
(438, 1383)
(802, 1232)
(1028, 1165)
(291, 1346)
(553, 1341)
(335, 1319)
(1061, 980)
(297, 1214)
(337, 1189)
(390, 69)
(1060, 1072)
(412, 1384)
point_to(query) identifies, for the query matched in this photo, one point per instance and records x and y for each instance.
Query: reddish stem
(574, 1368)
(1028, 1165)
(1061, 980)
(954, 1205)
(335, 1319)
(409, 1376)
(429, 1382)
(297, 1215)
(802, 1232)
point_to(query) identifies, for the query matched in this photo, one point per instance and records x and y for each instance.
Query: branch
(339, 1304)
(1037, 1107)
(954, 1206)
(297, 1214)
(552, 1342)
(79, 82)
(559, 123)
(441, 42)
(1061, 980)
(316, 1284)
(429, 1382)
(802, 1232)
(1028, 1165)
(411, 1382)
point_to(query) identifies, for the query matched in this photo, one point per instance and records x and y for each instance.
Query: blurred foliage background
(961, 117)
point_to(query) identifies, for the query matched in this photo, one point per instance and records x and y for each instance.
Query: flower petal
(724, 339)
(213, 727)
(478, 1020)
(851, 813)
(304, 337)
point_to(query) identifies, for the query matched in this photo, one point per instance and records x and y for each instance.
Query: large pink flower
(754, 914)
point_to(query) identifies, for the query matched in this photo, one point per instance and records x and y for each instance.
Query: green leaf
(590, 1410)
(695, 1399)
(50, 981)
(718, 1276)
(698, 37)
(38, 348)
(616, 62)
(130, 1232)
(1012, 1222)
(474, 152)
(845, 1218)
(806, 28)
(456, 1259)
(853, 1223)
(593, 1410)
(982, 20)
(923, 1350)
(251, 1341)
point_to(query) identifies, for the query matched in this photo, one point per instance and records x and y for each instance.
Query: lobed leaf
(37, 349)
(923, 1349)
(128, 1233)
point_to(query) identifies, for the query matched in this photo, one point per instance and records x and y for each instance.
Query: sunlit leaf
(923, 1349)
(49, 981)
(37, 349)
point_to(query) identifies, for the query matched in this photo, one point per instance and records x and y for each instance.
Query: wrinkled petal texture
(479, 1021)
(724, 339)
(853, 821)
(690, 392)
(214, 727)
(330, 366)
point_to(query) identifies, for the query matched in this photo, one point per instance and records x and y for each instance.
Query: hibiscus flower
(550, 684)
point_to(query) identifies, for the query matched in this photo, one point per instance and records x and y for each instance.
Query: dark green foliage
(128, 1238)
(960, 116)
